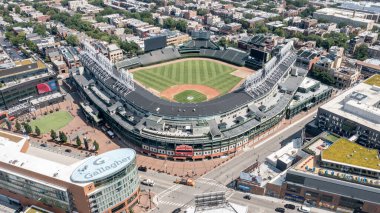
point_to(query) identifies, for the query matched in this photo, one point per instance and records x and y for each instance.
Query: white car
(304, 209)
(148, 182)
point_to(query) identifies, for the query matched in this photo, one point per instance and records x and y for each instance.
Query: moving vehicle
(279, 209)
(248, 197)
(148, 182)
(290, 206)
(185, 181)
(304, 209)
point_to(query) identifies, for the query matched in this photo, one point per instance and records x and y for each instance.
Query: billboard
(154, 43)
(47, 87)
(260, 55)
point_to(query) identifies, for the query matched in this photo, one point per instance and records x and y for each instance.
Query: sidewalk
(145, 204)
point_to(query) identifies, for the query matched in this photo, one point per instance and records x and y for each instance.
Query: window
(311, 194)
(326, 198)
(292, 188)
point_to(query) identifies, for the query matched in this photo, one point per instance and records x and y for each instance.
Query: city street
(170, 196)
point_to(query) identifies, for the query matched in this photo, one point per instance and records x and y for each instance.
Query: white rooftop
(358, 104)
(10, 152)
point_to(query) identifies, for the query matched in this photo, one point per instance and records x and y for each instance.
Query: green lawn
(190, 96)
(374, 80)
(345, 151)
(209, 73)
(55, 120)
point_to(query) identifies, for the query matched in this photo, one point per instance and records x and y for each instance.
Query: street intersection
(169, 196)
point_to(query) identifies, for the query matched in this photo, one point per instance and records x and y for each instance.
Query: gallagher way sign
(103, 166)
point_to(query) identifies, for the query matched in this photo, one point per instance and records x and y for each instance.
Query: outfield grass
(345, 151)
(184, 97)
(374, 80)
(203, 72)
(55, 121)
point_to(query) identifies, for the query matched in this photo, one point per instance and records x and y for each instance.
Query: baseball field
(194, 75)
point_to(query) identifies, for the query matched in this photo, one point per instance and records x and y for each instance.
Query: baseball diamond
(196, 71)
(165, 113)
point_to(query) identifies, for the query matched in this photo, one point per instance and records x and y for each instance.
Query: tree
(72, 40)
(327, 43)
(223, 42)
(280, 32)
(53, 134)
(62, 137)
(96, 146)
(361, 52)
(181, 25)
(40, 29)
(18, 126)
(78, 141)
(202, 12)
(28, 128)
(17, 9)
(31, 45)
(261, 28)
(37, 131)
(323, 76)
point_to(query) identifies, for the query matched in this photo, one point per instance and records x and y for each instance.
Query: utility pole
(150, 200)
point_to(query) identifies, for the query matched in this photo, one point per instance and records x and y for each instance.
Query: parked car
(148, 182)
(248, 197)
(44, 145)
(142, 168)
(304, 209)
(290, 206)
(110, 134)
(177, 210)
(279, 209)
(68, 150)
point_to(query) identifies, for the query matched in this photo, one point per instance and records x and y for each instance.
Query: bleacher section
(231, 55)
(159, 56)
(262, 82)
(128, 63)
(199, 44)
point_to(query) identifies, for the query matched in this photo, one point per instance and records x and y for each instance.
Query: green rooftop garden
(345, 151)
(374, 80)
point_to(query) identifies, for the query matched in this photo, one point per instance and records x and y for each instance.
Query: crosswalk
(175, 204)
(169, 190)
(211, 182)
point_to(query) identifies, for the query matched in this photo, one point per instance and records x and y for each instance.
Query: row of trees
(27, 128)
(63, 139)
(173, 24)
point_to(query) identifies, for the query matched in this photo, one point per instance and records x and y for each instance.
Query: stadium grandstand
(216, 127)
(157, 56)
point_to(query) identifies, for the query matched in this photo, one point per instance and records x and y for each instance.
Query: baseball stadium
(195, 101)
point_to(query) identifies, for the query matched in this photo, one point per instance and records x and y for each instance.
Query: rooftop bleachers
(264, 80)
(128, 63)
